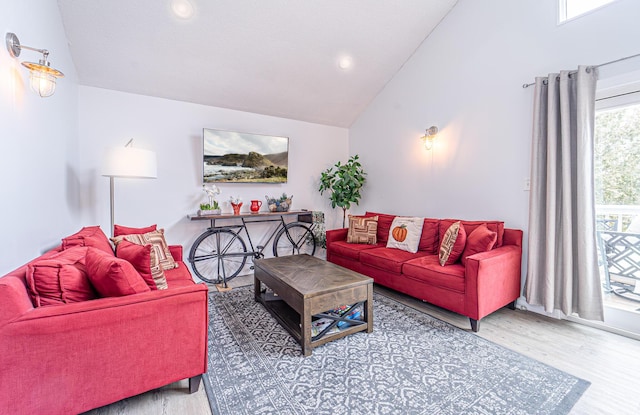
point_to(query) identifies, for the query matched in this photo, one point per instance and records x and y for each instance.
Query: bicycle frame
(237, 230)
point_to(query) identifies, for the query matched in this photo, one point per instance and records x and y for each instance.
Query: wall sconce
(43, 76)
(429, 137)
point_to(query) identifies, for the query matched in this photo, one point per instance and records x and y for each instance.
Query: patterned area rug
(411, 364)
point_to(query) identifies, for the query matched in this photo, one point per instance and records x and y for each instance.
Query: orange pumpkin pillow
(362, 230)
(405, 233)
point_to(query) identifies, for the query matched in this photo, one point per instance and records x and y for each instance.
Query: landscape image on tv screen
(233, 157)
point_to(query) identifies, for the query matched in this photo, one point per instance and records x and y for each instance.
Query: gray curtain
(562, 270)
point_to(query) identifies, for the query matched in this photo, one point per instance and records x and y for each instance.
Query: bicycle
(219, 254)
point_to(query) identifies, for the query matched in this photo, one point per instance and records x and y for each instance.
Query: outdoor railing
(615, 217)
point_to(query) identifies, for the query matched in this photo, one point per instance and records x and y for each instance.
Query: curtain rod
(596, 66)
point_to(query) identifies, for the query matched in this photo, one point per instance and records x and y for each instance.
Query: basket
(279, 205)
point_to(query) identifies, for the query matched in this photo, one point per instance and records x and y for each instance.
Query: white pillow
(405, 233)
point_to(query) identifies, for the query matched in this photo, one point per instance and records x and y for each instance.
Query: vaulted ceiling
(273, 57)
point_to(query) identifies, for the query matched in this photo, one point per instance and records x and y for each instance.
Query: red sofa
(67, 359)
(488, 281)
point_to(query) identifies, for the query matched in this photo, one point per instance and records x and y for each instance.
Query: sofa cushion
(156, 239)
(430, 236)
(384, 225)
(60, 278)
(362, 230)
(388, 259)
(452, 244)
(481, 239)
(145, 261)
(88, 236)
(113, 277)
(352, 251)
(119, 230)
(405, 233)
(429, 270)
(469, 226)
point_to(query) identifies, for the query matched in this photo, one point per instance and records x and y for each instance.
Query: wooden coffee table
(299, 289)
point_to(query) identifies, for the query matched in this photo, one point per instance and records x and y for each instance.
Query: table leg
(369, 308)
(305, 340)
(256, 288)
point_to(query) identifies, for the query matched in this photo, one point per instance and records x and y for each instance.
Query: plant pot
(209, 212)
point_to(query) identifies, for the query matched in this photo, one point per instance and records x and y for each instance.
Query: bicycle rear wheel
(218, 254)
(294, 239)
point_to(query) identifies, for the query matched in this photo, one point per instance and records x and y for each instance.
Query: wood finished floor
(609, 361)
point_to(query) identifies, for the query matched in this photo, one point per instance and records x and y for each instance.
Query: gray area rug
(411, 364)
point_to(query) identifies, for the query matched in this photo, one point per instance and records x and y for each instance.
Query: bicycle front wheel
(218, 254)
(294, 239)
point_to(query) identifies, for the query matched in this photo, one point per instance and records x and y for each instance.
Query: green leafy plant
(207, 206)
(344, 182)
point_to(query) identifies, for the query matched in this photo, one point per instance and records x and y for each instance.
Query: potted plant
(344, 181)
(211, 208)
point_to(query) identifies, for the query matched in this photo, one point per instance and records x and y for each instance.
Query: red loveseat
(70, 358)
(488, 281)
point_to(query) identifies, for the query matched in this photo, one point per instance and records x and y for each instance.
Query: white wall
(38, 174)
(467, 78)
(173, 129)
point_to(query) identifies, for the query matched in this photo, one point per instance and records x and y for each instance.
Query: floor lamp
(128, 162)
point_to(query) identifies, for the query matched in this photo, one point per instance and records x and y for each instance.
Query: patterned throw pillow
(159, 245)
(362, 230)
(405, 233)
(452, 244)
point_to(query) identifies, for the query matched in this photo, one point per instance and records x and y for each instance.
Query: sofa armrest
(14, 298)
(492, 280)
(335, 235)
(142, 341)
(176, 252)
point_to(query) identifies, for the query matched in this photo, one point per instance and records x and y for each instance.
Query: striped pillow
(452, 244)
(158, 244)
(362, 230)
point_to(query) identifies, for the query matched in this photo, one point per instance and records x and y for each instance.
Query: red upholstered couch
(488, 281)
(69, 358)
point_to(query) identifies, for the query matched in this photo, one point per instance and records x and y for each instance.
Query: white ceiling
(274, 57)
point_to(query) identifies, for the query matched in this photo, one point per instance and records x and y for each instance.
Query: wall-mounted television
(233, 157)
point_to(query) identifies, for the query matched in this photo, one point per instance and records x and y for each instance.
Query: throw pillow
(405, 233)
(452, 244)
(125, 230)
(145, 261)
(60, 279)
(156, 239)
(88, 236)
(113, 277)
(362, 230)
(481, 239)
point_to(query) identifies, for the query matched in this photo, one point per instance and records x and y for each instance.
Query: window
(568, 9)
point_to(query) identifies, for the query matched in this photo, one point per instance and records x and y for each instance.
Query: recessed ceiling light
(345, 62)
(182, 8)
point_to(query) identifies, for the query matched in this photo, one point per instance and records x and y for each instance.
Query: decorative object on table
(344, 183)
(128, 162)
(236, 204)
(233, 157)
(281, 204)
(255, 206)
(211, 208)
(439, 368)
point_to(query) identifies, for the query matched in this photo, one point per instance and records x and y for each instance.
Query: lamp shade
(130, 162)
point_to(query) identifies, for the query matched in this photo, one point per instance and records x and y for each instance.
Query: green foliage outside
(344, 183)
(617, 160)
(617, 156)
